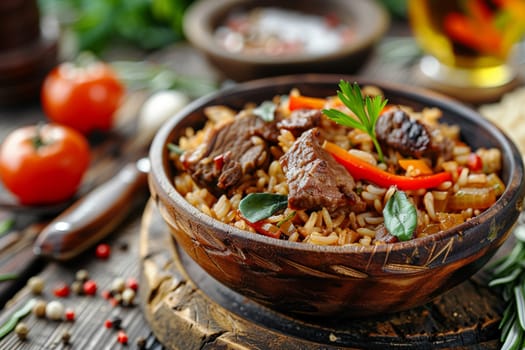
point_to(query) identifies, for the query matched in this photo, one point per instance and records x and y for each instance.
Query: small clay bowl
(368, 21)
(348, 281)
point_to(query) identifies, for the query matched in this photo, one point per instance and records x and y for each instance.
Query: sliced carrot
(304, 102)
(417, 165)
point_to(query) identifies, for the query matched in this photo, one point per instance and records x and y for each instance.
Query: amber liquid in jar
(468, 42)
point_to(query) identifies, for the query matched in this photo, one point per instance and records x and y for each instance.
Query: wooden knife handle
(92, 217)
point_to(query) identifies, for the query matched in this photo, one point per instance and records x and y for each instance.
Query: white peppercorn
(118, 285)
(128, 296)
(55, 310)
(82, 275)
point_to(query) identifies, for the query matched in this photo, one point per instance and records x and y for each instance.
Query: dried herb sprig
(366, 109)
(508, 274)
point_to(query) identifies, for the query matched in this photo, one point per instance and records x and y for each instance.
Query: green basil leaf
(265, 111)
(400, 216)
(258, 206)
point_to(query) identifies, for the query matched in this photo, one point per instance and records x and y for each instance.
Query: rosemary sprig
(367, 110)
(508, 274)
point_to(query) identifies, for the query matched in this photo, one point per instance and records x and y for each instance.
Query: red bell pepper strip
(362, 170)
(304, 102)
(264, 228)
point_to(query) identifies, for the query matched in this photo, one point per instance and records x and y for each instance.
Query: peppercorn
(39, 309)
(118, 285)
(22, 330)
(36, 285)
(70, 314)
(132, 283)
(54, 310)
(82, 275)
(128, 296)
(108, 324)
(90, 287)
(141, 343)
(122, 337)
(115, 300)
(106, 294)
(116, 322)
(66, 337)
(77, 288)
(61, 290)
(103, 251)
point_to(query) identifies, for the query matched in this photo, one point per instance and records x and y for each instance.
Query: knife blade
(91, 218)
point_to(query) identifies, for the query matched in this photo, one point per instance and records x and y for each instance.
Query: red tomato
(84, 98)
(43, 164)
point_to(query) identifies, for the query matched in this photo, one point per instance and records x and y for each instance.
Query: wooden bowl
(352, 281)
(368, 20)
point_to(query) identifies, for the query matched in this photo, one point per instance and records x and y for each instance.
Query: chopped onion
(472, 197)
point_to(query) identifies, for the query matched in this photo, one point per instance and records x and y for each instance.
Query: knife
(95, 215)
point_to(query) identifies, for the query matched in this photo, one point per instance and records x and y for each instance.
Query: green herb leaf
(265, 111)
(367, 110)
(508, 274)
(514, 337)
(505, 279)
(6, 225)
(258, 206)
(8, 277)
(10, 324)
(400, 216)
(520, 304)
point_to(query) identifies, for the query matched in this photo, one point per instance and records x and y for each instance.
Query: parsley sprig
(508, 274)
(367, 110)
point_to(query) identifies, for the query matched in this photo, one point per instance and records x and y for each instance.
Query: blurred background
(96, 25)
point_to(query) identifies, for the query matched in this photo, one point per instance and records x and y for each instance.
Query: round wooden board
(187, 309)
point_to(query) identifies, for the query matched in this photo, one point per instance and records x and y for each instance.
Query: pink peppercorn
(108, 324)
(90, 287)
(61, 290)
(132, 283)
(103, 251)
(70, 314)
(106, 294)
(122, 337)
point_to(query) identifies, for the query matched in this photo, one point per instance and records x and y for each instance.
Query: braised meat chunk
(315, 179)
(411, 137)
(300, 121)
(229, 152)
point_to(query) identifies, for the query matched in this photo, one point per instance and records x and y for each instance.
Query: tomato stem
(38, 141)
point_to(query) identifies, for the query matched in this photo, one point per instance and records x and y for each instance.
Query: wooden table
(392, 61)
